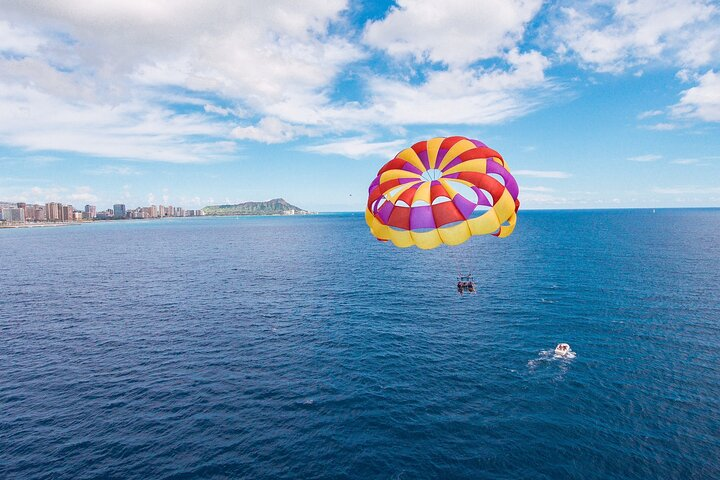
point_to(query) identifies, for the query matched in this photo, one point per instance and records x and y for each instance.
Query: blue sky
(595, 104)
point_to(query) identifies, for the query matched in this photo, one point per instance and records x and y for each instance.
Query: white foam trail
(548, 357)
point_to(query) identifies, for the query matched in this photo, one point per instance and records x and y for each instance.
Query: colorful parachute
(442, 190)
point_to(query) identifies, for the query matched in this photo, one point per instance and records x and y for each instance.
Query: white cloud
(454, 96)
(649, 114)
(463, 96)
(359, 147)
(18, 41)
(41, 195)
(538, 189)
(645, 158)
(685, 161)
(114, 170)
(36, 120)
(662, 127)
(455, 32)
(702, 101)
(685, 75)
(686, 190)
(106, 80)
(541, 199)
(89, 78)
(614, 35)
(83, 194)
(268, 130)
(541, 174)
(223, 111)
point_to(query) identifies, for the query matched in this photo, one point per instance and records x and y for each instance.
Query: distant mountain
(276, 206)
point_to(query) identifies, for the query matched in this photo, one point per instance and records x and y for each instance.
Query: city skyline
(593, 104)
(57, 212)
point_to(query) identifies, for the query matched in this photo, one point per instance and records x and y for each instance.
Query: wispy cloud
(114, 170)
(645, 158)
(53, 193)
(541, 173)
(662, 126)
(359, 147)
(543, 200)
(269, 130)
(224, 111)
(83, 194)
(649, 114)
(686, 190)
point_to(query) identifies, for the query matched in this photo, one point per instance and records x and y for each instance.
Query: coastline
(41, 225)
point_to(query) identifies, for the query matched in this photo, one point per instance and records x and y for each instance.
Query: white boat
(563, 349)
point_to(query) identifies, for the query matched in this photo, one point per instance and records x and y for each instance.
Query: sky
(593, 104)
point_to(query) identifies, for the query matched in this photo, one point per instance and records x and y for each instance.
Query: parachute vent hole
(432, 174)
(401, 203)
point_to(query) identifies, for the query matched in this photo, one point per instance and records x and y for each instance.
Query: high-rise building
(52, 211)
(34, 213)
(13, 215)
(29, 213)
(67, 213)
(90, 211)
(105, 214)
(119, 210)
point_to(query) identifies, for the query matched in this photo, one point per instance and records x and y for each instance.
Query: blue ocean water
(300, 347)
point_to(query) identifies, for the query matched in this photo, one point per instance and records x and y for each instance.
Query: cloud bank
(188, 82)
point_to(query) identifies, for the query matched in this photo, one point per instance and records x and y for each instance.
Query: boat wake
(549, 359)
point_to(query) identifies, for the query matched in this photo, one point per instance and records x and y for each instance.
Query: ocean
(303, 348)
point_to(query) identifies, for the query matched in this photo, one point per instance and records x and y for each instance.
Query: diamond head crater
(276, 206)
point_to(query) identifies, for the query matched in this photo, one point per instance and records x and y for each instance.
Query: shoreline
(90, 222)
(41, 225)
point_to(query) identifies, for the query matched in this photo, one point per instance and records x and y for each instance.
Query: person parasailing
(432, 194)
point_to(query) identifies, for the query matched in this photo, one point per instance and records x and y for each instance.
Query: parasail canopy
(442, 191)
